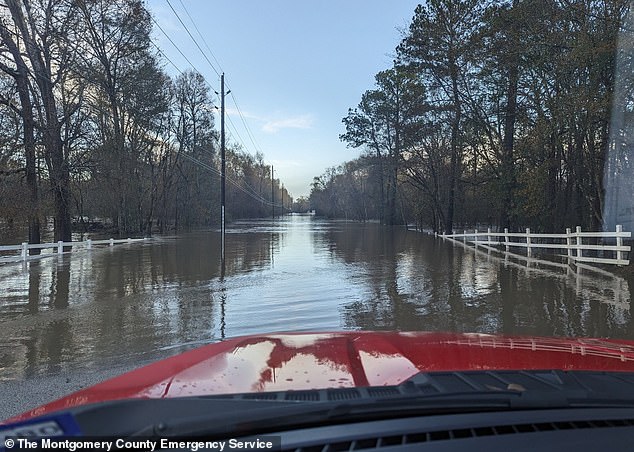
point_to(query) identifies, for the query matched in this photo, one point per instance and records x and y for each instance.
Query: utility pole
(272, 195)
(222, 153)
(222, 170)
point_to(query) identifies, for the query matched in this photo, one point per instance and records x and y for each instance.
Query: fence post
(60, 247)
(89, 244)
(568, 242)
(24, 253)
(464, 236)
(506, 239)
(528, 241)
(619, 242)
(111, 242)
(475, 237)
(579, 242)
(489, 236)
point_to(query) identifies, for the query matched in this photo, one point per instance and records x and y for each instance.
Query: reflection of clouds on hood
(300, 341)
(386, 369)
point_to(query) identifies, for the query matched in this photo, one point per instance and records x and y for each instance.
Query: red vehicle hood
(296, 361)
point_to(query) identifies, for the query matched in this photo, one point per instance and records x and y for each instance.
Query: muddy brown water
(91, 311)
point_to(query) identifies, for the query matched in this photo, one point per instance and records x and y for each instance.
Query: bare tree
(41, 26)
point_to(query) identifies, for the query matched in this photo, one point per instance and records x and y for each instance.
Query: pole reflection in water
(127, 305)
(223, 295)
(34, 286)
(60, 285)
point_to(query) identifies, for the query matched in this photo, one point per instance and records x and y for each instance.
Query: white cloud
(166, 19)
(234, 112)
(273, 124)
(297, 122)
(284, 164)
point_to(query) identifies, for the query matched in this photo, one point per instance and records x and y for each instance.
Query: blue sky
(294, 68)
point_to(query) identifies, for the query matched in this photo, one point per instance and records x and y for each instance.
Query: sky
(294, 68)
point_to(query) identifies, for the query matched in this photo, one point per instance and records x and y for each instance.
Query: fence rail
(57, 246)
(571, 242)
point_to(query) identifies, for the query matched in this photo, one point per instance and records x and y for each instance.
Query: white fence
(571, 242)
(24, 248)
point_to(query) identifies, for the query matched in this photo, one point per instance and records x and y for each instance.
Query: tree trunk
(382, 185)
(28, 129)
(31, 179)
(29, 150)
(51, 129)
(60, 182)
(508, 168)
(455, 150)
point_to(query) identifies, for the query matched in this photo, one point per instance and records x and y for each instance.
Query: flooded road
(80, 317)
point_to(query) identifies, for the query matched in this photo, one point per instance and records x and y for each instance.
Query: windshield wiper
(277, 418)
(426, 393)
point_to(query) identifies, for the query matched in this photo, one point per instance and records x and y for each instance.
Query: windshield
(180, 173)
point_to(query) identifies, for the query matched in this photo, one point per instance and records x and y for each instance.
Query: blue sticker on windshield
(41, 427)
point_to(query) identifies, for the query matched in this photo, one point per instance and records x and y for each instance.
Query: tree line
(494, 112)
(93, 127)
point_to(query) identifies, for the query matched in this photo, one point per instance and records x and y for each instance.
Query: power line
(235, 129)
(253, 190)
(246, 126)
(242, 117)
(182, 54)
(253, 195)
(241, 141)
(190, 35)
(179, 50)
(194, 67)
(201, 36)
(244, 122)
(249, 186)
(166, 57)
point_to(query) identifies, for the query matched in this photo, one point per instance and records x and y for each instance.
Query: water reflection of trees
(171, 292)
(131, 304)
(415, 282)
(120, 302)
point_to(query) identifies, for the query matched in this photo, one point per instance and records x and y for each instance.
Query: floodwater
(91, 310)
